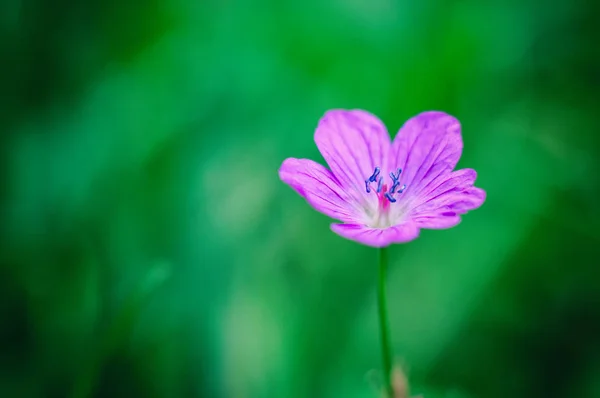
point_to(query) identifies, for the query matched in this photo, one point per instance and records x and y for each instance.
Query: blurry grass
(118, 329)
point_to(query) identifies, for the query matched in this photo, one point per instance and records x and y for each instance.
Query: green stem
(386, 347)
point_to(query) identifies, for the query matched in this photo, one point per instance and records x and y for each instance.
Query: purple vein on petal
(465, 176)
(352, 154)
(317, 185)
(431, 160)
(466, 179)
(340, 168)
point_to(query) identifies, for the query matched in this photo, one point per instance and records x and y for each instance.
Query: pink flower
(384, 192)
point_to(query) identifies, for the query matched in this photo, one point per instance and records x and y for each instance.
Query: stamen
(379, 184)
(375, 174)
(389, 197)
(371, 179)
(395, 177)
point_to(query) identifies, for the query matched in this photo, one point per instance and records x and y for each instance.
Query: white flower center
(383, 216)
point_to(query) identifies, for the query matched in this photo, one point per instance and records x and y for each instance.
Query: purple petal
(428, 146)
(442, 203)
(353, 143)
(318, 186)
(377, 237)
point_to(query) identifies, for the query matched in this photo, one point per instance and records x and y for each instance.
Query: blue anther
(395, 177)
(379, 184)
(367, 186)
(389, 197)
(402, 189)
(393, 189)
(373, 177)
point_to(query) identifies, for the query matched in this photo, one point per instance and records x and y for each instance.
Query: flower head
(384, 192)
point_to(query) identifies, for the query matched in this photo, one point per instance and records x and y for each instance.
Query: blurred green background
(149, 249)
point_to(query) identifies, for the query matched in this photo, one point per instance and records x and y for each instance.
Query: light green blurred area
(149, 248)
